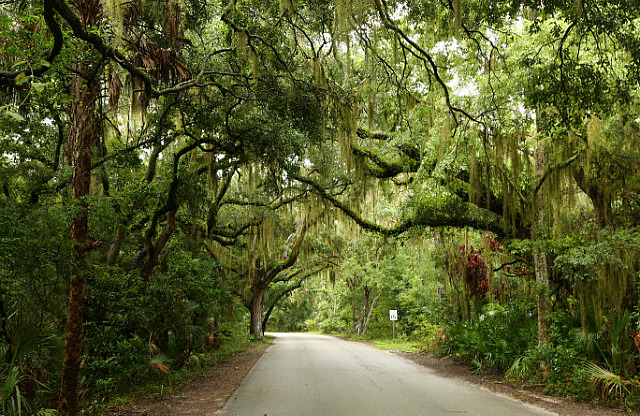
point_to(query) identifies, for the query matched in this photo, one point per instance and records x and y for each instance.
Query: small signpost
(393, 316)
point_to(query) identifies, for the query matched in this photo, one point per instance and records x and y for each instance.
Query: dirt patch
(204, 395)
(449, 367)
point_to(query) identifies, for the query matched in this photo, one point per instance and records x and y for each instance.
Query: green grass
(388, 344)
(385, 343)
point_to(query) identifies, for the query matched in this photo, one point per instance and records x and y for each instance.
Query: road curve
(303, 374)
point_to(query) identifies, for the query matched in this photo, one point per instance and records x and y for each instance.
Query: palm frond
(611, 385)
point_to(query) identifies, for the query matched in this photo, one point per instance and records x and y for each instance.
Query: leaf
(14, 115)
(162, 367)
(38, 86)
(21, 78)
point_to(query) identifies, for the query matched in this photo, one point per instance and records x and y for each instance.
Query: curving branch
(295, 243)
(363, 223)
(383, 168)
(444, 211)
(8, 77)
(423, 55)
(108, 51)
(558, 166)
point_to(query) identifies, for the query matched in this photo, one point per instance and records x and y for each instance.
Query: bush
(135, 330)
(427, 334)
(491, 339)
(560, 368)
(334, 325)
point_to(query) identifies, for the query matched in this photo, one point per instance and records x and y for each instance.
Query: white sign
(393, 315)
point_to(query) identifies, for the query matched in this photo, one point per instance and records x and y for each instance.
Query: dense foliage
(173, 173)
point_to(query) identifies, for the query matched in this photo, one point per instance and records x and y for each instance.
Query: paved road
(304, 374)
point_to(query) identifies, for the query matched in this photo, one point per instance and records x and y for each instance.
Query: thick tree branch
(384, 169)
(8, 77)
(364, 224)
(443, 211)
(291, 258)
(110, 52)
(557, 166)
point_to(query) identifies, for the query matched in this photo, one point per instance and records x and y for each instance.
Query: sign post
(393, 316)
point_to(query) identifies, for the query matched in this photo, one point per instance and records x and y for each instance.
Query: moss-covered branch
(382, 168)
(363, 223)
(425, 211)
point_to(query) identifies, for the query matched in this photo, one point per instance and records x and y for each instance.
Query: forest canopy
(174, 174)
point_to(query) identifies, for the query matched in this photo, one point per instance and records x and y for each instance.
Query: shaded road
(303, 374)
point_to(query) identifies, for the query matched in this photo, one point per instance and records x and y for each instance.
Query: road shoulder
(496, 383)
(204, 395)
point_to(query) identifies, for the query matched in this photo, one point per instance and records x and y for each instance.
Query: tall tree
(83, 137)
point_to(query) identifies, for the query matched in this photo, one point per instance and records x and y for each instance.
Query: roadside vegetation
(492, 328)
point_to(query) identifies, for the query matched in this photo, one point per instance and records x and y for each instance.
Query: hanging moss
(342, 15)
(578, 7)
(514, 157)
(608, 296)
(594, 131)
(475, 187)
(457, 17)
(347, 129)
(498, 148)
(286, 8)
(240, 41)
(445, 132)
(116, 10)
(255, 66)
(318, 74)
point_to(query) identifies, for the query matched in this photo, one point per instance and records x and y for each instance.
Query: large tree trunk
(539, 256)
(255, 308)
(601, 203)
(82, 139)
(363, 311)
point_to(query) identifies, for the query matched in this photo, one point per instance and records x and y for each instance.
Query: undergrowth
(167, 383)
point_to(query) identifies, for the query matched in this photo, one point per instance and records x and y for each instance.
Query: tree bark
(156, 249)
(539, 256)
(366, 322)
(114, 248)
(263, 277)
(363, 311)
(82, 139)
(255, 308)
(601, 204)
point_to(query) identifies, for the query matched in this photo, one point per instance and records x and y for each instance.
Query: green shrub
(334, 325)
(491, 339)
(137, 330)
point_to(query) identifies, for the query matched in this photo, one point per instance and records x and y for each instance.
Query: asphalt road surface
(304, 374)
